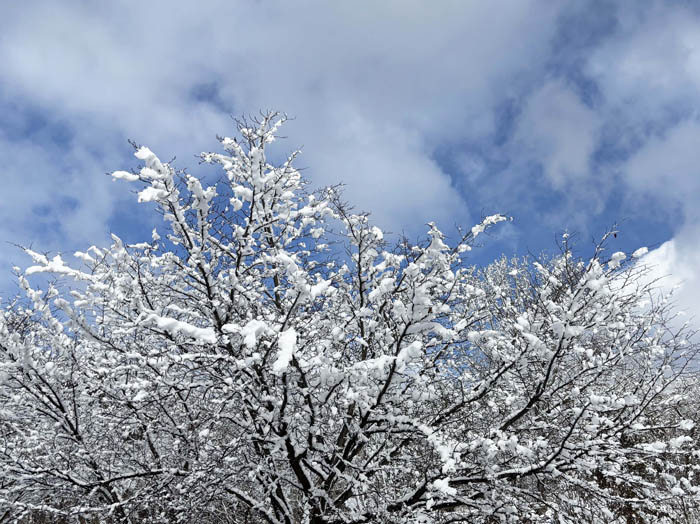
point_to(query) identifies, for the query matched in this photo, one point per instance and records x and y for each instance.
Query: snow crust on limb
(174, 327)
(55, 266)
(488, 221)
(640, 252)
(124, 175)
(287, 345)
(252, 331)
(235, 367)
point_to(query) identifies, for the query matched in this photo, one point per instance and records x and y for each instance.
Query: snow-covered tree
(270, 358)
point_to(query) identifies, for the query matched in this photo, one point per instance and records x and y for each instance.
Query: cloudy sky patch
(565, 117)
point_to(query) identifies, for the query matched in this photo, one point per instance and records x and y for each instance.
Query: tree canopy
(269, 356)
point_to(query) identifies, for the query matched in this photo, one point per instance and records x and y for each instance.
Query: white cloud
(550, 175)
(433, 71)
(54, 198)
(559, 131)
(668, 167)
(651, 66)
(675, 264)
(648, 74)
(388, 171)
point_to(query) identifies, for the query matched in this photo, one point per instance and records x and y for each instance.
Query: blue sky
(565, 115)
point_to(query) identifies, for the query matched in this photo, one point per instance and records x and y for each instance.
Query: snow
(85, 257)
(437, 244)
(654, 447)
(152, 193)
(141, 395)
(287, 343)
(243, 193)
(573, 331)
(56, 266)
(201, 197)
(443, 485)
(597, 284)
(615, 259)
(175, 327)
(384, 287)
(320, 288)
(678, 442)
(686, 424)
(236, 204)
(150, 159)
(488, 221)
(408, 353)
(252, 331)
(124, 175)
(640, 252)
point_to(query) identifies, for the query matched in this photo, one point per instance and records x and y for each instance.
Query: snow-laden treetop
(271, 358)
